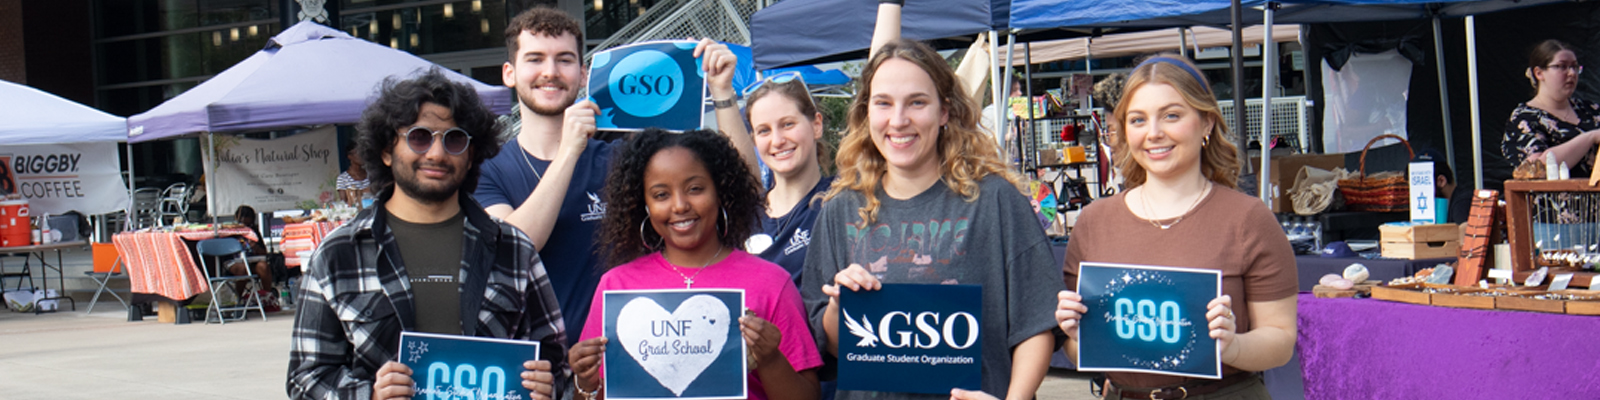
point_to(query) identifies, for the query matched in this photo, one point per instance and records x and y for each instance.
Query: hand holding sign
(1219, 312)
(1069, 310)
(763, 338)
(538, 379)
(586, 357)
(718, 64)
(577, 126)
(393, 381)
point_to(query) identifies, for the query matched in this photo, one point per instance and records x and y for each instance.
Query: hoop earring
(1205, 142)
(725, 221)
(647, 245)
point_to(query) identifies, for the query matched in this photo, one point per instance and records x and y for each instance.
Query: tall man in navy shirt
(548, 184)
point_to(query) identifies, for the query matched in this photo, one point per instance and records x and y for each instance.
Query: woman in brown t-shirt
(1171, 145)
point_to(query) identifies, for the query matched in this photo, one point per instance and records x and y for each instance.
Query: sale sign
(453, 366)
(674, 344)
(911, 338)
(650, 84)
(1148, 319)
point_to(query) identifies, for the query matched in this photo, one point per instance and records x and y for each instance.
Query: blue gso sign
(650, 84)
(911, 338)
(1147, 319)
(462, 367)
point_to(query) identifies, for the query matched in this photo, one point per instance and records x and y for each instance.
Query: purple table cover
(1375, 349)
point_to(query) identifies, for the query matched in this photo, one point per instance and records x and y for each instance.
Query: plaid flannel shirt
(356, 300)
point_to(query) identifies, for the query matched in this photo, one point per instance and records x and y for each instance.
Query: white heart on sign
(708, 322)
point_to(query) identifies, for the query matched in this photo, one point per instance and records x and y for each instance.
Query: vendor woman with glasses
(1553, 121)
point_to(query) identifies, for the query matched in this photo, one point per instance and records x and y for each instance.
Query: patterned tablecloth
(301, 239)
(160, 263)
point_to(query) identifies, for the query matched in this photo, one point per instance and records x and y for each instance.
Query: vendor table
(161, 263)
(37, 252)
(1374, 349)
(1312, 268)
(301, 239)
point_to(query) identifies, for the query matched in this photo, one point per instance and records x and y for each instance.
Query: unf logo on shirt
(800, 240)
(597, 209)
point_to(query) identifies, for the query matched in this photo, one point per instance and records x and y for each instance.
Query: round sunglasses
(421, 139)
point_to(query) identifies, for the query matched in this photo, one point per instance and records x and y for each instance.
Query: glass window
(132, 17)
(181, 55)
(439, 28)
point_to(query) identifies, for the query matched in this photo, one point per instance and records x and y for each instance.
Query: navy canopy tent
(807, 31)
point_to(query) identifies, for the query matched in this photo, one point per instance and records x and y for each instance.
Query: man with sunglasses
(424, 258)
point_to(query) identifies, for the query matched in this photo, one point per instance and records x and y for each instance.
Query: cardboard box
(1284, 170)
(1419, 233)
(1420, 250)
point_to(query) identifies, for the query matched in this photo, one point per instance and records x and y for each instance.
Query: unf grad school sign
(464, 367)
(911, 338)
(1148, 319)
(674, 344)
(650, 84)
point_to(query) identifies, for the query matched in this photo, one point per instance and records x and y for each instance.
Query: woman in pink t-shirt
(681, 206)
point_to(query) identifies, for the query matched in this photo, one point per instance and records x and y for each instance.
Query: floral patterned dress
(1532, 130)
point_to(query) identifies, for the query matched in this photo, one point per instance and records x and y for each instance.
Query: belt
(1194, 388)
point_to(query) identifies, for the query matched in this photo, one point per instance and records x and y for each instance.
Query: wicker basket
(1381, 192)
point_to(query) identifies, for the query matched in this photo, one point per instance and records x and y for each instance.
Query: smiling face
(905, 113)
(785, 138)
(434, 176)
(681, 196)
(1560, 81)
(546, 72)
(1164, 133)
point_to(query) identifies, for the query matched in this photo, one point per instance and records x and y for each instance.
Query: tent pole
(128, 222)
(995, 86)
(1269, 62)
(1444, 97)
(1183, 41)
(210, 171)
(1236, 58)
(1472, 100)
(1031, 136)
(1011, 41)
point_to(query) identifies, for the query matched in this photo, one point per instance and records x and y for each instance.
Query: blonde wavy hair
(966, 154)
(1219, 158)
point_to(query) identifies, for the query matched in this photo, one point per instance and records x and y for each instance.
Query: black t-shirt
(433, 264)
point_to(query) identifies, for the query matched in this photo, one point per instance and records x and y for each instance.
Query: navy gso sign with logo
(464, 367)
(1147, 319)
(911, 338)
(674, 344)
(650, 84)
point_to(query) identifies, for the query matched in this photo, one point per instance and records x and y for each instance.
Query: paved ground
(73, 355)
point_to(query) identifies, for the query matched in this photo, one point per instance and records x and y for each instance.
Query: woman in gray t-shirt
(922, 197)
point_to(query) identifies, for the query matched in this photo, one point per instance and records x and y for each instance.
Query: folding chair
(104, 277)
(228, 248)
(25, 273)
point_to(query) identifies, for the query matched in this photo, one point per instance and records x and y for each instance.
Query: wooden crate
(1464, 297)
(1420, 250)
(1407, 293)
(1588, 306)
(1419, 233)
(1524, 301)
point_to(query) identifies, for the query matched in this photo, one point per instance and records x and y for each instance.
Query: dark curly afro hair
(738, 192)
(396, 107)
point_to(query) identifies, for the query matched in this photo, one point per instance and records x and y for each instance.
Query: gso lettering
(646, 85)
(1147, 320)
(464, 383)
(930, 336)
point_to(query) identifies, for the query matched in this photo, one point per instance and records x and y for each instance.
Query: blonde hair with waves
(966, 154)
(1219, 158)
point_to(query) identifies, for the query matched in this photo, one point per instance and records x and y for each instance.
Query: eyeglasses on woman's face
(1573, 68)
(421, 139)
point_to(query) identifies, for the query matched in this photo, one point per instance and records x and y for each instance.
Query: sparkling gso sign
(1147, 319)
(461, 367)
(911, 338)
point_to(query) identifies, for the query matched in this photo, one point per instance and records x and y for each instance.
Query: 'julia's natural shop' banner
(56, 178)
(276, 174)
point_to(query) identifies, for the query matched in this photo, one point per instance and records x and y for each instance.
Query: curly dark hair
(738, 192)
(541, 20)
(396, 107)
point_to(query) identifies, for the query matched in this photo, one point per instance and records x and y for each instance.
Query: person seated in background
(256, 255)
(352, 183)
